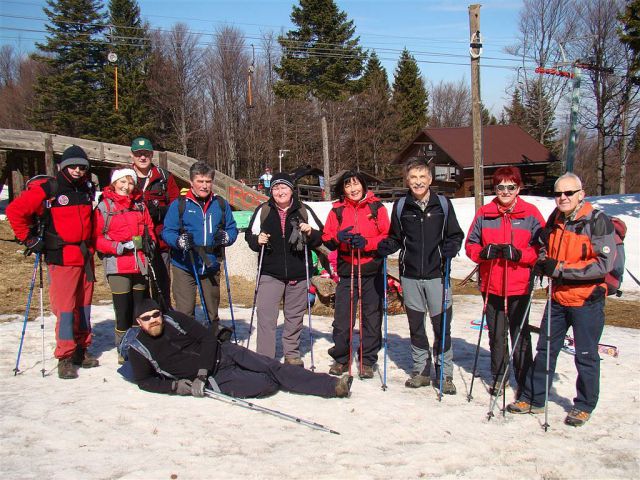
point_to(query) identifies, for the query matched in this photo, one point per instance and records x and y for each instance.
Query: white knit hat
(123, 172)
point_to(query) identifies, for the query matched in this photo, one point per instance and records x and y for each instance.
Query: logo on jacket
(606, 250)
(63, 200)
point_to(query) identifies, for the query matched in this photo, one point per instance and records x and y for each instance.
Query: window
(445, 173)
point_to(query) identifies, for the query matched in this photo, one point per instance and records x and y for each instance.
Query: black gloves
(385, 249)
(491, 252)
(345, 235)
(297, 238)
(34, 245)
(358, 241)
(185, 241)
(546, 267)
(449, 249)
(511, 253)
(221, 238)
(224, 334)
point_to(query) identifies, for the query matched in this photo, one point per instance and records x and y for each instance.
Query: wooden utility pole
(475, 49)
(325, 158)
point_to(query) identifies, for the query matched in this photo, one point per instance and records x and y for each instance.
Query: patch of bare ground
(16, 271)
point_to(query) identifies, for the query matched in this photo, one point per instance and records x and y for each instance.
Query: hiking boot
(66, 369)
(448, 388)
(522, 406)
(343, 386)
(576, 418)
(295, 361)
(338, 369)
(416, 381)
(84, 359)
(366, 372)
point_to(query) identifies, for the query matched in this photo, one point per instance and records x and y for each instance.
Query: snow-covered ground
(100, 426)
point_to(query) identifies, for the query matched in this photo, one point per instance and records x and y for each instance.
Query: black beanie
(282, 178)
(146, 305)
(74, 155)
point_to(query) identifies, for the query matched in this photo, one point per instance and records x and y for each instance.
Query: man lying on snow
(189, 358)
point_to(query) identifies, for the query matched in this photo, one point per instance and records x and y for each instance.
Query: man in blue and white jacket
(197, 227)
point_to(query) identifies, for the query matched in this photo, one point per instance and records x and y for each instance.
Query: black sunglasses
(83, 168)
(511, 187)
(568, 193)
(146, 318)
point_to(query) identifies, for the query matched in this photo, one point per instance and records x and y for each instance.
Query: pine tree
(515, 113)
(410, 99)
(630, 34)
(375, 74)
(130, 41)
(321, 57)
(486, 116)
(66, 101)
(540, 115)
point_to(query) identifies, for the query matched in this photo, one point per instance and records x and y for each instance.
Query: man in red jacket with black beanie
(158, 189)
(54, 218)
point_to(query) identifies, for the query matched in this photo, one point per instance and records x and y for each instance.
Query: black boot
(84, 359)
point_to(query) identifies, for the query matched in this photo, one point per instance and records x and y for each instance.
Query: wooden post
(325, 158)
(474, 51)
(162, 160)
(49, 160)
(17, 178)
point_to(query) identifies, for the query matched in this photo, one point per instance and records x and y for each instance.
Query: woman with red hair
(502, 239)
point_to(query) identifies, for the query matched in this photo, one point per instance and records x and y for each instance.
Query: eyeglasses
(146, 318)
(140, 153)
(82, 168)
(511, 187)
(568, 193)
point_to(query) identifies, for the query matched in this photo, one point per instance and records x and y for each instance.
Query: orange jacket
(585, 247)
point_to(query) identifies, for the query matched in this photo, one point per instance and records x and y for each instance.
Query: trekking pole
(482, 320)
(154, 280)
(255, 293)
(447, 268)
(546, 383)
(233, 320)
(199, 284)
(42, 316)
(513, 349)
(259, 408)
(360, 332)
(306, 268)
(384, 313)
(16, 370)
(505, 353)
(351, 319)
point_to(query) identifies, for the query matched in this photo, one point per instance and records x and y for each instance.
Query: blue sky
(436, 32)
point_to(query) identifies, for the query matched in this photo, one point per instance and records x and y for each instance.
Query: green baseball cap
(141, 143)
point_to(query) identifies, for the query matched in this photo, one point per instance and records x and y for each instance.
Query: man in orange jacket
(578, 251)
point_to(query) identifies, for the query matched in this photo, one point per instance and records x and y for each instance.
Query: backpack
(373, 207)
(613, 279)
(110, 212)
(443, 204)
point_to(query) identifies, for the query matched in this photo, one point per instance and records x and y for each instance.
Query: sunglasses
(568, 193)
(141, 153)
(146, 318)
(511, 187)
(82, 168)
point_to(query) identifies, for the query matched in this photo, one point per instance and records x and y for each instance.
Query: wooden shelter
(451, 152)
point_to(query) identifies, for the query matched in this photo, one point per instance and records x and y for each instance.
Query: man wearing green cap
(158, 189)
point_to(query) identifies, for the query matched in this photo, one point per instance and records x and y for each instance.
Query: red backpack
(614, 277)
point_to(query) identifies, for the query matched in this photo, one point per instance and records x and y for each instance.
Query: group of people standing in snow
(144, 229)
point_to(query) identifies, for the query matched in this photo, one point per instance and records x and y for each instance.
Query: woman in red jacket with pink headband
(122, 230)
(503, 239)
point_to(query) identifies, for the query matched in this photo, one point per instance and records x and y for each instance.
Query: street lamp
(113, 58)
(281, 153)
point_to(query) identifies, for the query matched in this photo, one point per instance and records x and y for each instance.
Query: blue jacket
(203, 225)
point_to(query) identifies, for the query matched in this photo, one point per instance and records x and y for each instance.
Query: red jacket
(160, 189)
(127, 217)
(69, 230)
(359, 215)
(520, 227)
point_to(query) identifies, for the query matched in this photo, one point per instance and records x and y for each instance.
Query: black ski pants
(371, 334)
(499, 337)
(243, 373)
